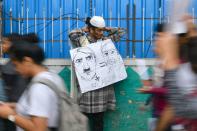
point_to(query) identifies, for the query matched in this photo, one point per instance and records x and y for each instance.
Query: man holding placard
(98, 99)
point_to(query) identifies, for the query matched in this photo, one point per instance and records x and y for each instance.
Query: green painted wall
(127, 116)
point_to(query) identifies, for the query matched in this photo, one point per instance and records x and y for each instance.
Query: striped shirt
(184, 104)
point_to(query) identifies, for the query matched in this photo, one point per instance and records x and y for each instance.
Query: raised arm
(115, 33)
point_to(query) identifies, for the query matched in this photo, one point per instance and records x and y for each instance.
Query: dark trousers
(96, 120)
(9, 126)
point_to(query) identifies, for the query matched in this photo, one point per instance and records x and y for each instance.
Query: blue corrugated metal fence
(53, 19)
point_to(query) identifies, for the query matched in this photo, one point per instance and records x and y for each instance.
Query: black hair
(183, 41)
(30, 37)
(21, 49)
(160, 27)
(192, 53)
(87, 21)
(182, 34)
(12, 36)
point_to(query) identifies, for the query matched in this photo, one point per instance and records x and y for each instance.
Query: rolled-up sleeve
(116, 33)
(74, 36)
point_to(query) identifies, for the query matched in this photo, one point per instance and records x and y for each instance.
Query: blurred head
(182, 40)
(85, 63)
(96, 25)
(24, 54)
(160, 29)
(7, 41)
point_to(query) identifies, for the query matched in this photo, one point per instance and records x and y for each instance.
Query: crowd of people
(35, 107)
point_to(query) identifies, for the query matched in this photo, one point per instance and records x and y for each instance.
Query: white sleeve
(41, 100)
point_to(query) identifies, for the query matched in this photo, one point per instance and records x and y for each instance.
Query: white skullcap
(97, 21)
(179, 28)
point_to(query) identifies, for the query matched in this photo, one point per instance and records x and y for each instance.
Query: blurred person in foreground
(14, 84)
(154, 86)
(37, 108)
(95, 103)
(180, 80)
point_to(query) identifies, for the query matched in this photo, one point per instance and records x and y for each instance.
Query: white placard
(97, 65)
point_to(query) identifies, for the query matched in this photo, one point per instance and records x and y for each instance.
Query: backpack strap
(51, 85)
(60, 91)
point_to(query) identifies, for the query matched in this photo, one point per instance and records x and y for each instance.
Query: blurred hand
(11, 104)
(6, 110)
(144, 89)
(143, 107)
